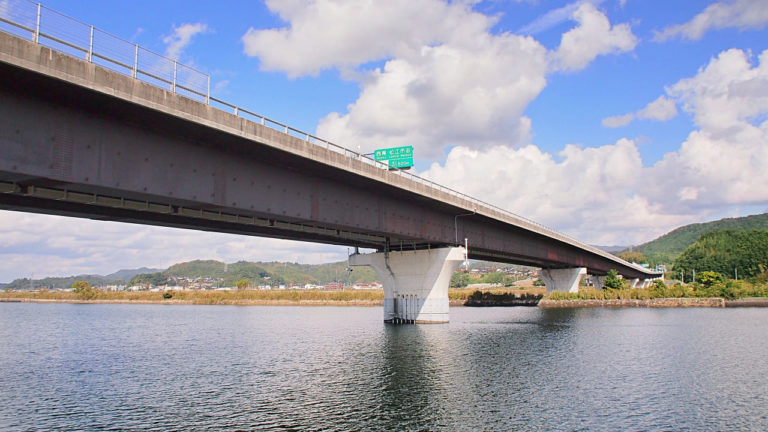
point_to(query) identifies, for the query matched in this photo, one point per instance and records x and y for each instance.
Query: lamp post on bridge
(456, 224)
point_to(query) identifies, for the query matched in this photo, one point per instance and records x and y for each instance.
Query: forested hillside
(727, 252)
(668, 247)
(272, 273)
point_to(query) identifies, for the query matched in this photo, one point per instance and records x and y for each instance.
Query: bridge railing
(48, 27)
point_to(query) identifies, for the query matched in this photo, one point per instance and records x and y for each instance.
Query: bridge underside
(120, 149)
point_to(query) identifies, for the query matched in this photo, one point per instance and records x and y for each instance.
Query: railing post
(90, 47)
(173, 84)
(135, 61)
(37, 24)
(208, 92)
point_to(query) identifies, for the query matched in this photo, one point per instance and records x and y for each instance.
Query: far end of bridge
(416, 281)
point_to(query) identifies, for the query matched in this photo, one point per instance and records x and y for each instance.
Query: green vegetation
(724, 252)
(633, 256)
(461, 279)
(320, 297)
(60, 282)
(84, 290)
(666, 248)
(612, 280)
(506, 298)
(256, 274)
(715, 287)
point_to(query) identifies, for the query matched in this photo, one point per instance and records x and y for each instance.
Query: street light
(456, 223)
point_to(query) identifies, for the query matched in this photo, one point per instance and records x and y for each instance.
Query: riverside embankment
(457, 297)
(715, 302)
(374, 298)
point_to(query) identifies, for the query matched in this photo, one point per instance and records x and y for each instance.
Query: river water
(157, 367)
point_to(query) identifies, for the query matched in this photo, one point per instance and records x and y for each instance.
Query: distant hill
(126, 275)
(61, 282)
(260, 273)
(727, 252)
(668, 247)
(611, 249)
(270, 273)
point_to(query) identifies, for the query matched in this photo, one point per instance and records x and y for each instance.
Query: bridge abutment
(415, 282)
(566, 279)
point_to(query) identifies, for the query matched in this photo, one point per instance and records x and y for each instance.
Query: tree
(726, 251)
(84, 290)
(632, 256)
(460, 279)
(494, 278)
(242, 284)
(612, 280)
(709, 278)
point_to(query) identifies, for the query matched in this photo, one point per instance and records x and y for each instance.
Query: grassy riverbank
(457, 297)
(727, 290)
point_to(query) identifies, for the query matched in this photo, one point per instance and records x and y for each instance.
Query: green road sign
(402, 163)
(405, 152)
(396, 157)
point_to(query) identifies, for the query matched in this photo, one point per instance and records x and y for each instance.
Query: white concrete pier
(415, 282)
(566, 279)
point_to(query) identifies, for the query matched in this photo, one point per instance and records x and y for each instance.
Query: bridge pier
(566, 279)
(598, 281)
(415, 282)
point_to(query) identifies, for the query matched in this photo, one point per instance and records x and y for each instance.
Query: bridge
(80, 138)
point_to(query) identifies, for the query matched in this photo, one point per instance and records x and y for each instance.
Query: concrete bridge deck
(81, 140)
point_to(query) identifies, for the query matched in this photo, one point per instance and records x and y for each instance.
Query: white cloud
(180, 38)
(606, 195)
(725, 161)
(661, 109)
(590, 193)
(446, 79)
(618, 121)
(741, 14)
(728, 92)
(554, 17)
(60, 246)
(446, 95)
(325, 34)
(593, 36)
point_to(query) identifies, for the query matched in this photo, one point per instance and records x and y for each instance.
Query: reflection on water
(154, 367)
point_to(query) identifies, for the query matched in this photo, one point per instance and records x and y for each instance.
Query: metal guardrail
(48, 27)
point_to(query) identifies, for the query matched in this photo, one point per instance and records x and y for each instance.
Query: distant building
(334, 286)
(367, 286)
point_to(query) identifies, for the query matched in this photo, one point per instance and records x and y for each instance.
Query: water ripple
(155, 368)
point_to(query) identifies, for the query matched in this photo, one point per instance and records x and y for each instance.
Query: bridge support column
(566, 279)
(415, 282)
(598, 281)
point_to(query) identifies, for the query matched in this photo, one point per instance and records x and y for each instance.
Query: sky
(614, 121)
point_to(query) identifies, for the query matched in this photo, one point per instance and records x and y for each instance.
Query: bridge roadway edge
(44, 61)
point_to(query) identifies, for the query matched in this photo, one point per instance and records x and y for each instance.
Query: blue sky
(614, 121)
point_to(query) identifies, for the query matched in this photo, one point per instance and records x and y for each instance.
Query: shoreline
(172, 302)
(685, 302)
(682, 302)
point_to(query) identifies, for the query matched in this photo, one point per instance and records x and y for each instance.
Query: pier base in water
(415, 282)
